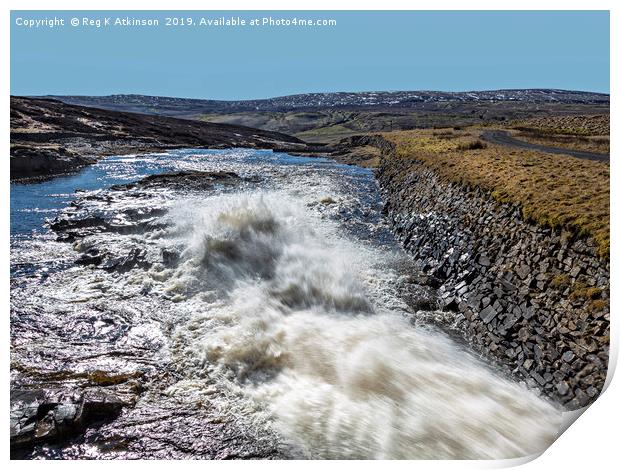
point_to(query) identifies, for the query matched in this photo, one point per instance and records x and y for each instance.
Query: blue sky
(452, 51)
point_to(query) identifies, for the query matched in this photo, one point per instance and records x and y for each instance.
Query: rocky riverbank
(49, 137)
(534, 299)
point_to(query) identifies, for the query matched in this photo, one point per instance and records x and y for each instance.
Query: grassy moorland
(552, 190)
(595, 125)
(329, 125)
(589, 133)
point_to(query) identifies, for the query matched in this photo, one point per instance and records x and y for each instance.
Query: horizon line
(321, 92)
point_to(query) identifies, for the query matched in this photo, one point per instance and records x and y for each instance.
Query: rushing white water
(285, 313)
(292, 315)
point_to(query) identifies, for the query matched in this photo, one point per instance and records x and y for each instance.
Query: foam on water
(296, 321)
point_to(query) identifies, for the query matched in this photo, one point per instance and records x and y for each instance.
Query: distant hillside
(315, 101)
(50, 137)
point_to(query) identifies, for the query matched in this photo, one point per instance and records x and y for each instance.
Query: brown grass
(561, 281)
(567, 125)
(552, 190)
(588, 144)
(582, 292)
(472, 145)
(599, 305)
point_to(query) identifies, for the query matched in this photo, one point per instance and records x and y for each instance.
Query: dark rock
(41, 416)
(582, 397)
(29, 161)
(509, 321)
(523, 271)
(538, 378)
(483, 260)
(568, 356)
(170, 257)
(125, 263)
(538, 353)
(487, 314)
(528, 312)
(92, 257)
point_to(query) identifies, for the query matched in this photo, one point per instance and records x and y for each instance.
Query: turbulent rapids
(264, 312)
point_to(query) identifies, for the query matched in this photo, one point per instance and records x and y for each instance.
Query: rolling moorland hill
(313, 101)
(48, 136)
(329, 117)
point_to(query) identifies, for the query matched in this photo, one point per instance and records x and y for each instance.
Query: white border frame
(591, 442)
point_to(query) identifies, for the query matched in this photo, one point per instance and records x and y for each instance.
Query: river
(268, 315)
